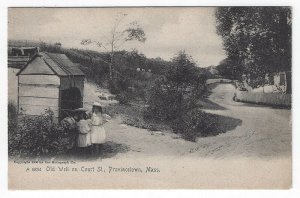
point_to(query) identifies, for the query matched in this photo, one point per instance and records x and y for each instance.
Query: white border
(294, 192)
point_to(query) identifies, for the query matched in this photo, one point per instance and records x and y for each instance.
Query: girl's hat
(80, 110)
(97, 104)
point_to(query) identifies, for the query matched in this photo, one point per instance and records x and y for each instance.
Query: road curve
(264, 131)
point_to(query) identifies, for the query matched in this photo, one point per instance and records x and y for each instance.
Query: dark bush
(257, 82)
(133, 115)
(12, 117)
(163, 104)
(197, 123)
(124, 97)
(38, 136)
(117, 86)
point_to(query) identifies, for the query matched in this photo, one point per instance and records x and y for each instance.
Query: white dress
(84, 137)
(98, 134)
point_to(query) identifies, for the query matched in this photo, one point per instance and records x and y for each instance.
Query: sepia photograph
(149, 97)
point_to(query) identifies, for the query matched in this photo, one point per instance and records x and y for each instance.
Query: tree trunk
(110, 71)
(111, 63)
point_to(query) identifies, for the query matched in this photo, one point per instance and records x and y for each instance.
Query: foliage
(197, 123)
(230, 69)
(133, 115)
(117, 86)
(12, 118)
(256, 39)
(258, 81)
(38, 136)
(171, 97)
(174, 100)
(183, 72)
(163, 103)
(135, 32)
(94, 65)
(124, 97)
(135, 75)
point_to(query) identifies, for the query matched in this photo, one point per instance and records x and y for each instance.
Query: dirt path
(264, 132)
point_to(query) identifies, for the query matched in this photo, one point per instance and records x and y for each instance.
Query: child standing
(84, 129)
(98, 134)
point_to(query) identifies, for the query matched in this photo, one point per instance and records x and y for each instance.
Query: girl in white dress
(98, 134)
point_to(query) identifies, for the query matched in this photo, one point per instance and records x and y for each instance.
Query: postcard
(149, 98)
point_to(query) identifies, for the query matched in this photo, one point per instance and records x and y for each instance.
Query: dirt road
(263, 132)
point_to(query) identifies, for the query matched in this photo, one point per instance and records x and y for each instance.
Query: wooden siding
(50, 102)
(36, 110)
(39, 91)
(39, 79)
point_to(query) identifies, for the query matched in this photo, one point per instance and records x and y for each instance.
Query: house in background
(19, 56)
(274, 82)
(50, 82)
(283, 80)
(17, 59)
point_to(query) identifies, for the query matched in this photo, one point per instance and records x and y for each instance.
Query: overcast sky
(168, 30)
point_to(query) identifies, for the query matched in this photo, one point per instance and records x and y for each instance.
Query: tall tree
(257, 39)
(183, 71)
(117, 38)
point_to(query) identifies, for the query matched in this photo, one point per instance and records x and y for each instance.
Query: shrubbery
(196, 123)
(12, 118)
(257, 82)
(124, 97)
(34, 136)
(181, 113)
(133, 115)
(117, 86)
(163, 104)
(174, 100)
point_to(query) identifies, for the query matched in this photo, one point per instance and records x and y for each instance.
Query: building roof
(60, 64)
(17, 62)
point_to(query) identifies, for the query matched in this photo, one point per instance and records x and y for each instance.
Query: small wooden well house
(50, 82)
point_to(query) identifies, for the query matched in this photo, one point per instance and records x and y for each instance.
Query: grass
(133, 115)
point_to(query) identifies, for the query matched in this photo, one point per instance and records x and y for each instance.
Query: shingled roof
(60, 64)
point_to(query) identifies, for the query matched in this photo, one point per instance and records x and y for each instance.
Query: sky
(168, 30)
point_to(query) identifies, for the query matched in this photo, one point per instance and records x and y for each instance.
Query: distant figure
(98, 134)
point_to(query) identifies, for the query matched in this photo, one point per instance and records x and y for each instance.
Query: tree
(183, 72)
(178, 92)
(117, 38)
(229, 68)
(256, 39)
